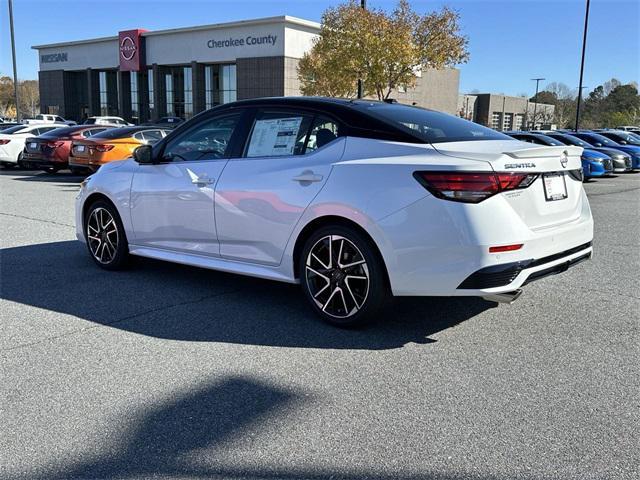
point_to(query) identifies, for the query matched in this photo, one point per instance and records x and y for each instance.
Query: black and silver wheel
(105, 236)
(342, 276)
(21, 164)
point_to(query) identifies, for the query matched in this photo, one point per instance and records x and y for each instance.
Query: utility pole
(535, 105)
(584, 46)
(15, 71)
(363, 5)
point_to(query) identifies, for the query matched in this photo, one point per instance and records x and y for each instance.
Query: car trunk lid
(553, 199)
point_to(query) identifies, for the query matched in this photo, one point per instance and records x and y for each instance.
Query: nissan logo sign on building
(130, 44)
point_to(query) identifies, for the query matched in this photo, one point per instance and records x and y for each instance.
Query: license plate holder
(555, 186)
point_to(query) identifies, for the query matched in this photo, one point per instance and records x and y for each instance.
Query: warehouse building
(144, 75)
(503, 112)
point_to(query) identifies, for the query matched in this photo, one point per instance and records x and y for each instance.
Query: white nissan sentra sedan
(355, 200)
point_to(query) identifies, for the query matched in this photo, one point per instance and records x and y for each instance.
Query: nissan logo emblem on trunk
(564, 159)
(127, 48)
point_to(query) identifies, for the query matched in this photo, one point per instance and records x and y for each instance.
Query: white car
(12, 141)
(354, 200)
(46, 118)
(113, 121)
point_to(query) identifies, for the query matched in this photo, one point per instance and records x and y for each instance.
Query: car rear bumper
(442, 249)
(42, 161)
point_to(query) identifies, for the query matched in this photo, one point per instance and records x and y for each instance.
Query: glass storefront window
(220, 84)
(152, 105)
(104, 93)
(168, 78)
(188, 92)
(135, 96)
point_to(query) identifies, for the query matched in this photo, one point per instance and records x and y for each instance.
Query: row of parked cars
(605, 151)
(80, 148)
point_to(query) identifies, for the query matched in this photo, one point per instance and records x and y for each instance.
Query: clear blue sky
(510, 41)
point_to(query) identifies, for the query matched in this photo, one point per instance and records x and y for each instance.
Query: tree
(29, 93)
(384, 50)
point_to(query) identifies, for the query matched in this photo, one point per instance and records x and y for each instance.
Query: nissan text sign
(131, 50)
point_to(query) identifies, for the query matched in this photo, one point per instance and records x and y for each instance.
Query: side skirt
(211, 263)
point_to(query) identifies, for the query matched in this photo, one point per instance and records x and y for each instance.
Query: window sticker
(274, 137)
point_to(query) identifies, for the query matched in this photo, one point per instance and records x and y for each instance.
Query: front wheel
(342, 276)
(105, 236)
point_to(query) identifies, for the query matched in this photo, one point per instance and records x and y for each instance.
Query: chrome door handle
(202, 181)
(308, 177)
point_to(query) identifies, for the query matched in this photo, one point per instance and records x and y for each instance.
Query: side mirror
(143, 154)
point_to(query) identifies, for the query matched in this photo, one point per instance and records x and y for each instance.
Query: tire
(51, 169)
(8, 166)
(76, 171)
(343, 294)
(102, 226)
(21, 164)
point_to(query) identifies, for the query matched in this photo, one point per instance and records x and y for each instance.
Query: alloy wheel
(102, 235)
(337, 276)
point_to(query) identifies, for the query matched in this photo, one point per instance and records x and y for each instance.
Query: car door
(260, 197)
(172, 204)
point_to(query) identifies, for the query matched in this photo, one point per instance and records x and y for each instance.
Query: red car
(50, 151)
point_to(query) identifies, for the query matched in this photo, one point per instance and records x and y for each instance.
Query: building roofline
(240, 23)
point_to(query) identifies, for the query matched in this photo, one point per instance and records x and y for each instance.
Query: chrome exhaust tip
(507, 297)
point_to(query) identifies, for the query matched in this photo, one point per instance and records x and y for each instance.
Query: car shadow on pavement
(189, 436)
(60, 177)
(177, 302)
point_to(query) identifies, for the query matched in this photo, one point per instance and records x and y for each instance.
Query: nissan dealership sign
(130, 47)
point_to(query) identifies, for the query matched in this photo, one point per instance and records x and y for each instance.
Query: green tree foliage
(29, 95)
(384, 50)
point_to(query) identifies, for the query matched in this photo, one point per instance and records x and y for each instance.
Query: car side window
(152, 136)
(276, 134)
(323, 131)
(139, 136)
(59, 119)
(209, 140)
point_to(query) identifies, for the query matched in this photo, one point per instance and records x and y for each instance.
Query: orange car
(111, 145)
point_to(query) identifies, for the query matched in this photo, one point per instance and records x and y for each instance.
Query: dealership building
(504, 112)
(144, 75)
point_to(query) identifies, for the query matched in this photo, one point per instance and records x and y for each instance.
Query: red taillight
(472, 187)
(4, 141)
(100, 147)
(506, 248)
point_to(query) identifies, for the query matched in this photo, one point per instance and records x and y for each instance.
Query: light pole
(363, 5)
(584, 46)
(13, 53)
(535, 104)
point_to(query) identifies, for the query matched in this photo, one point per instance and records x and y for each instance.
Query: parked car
(620, 160)
(169, 120)
(628, 128)
(114, 144)
(12, 142)
(594, 164)
(46, 118)
(355, 200)
(50, 151)
(599, 140)
(113, 121)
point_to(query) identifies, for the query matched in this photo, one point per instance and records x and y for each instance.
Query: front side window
(431, 126)
(59, 119)
(276, 134)
(209, 140)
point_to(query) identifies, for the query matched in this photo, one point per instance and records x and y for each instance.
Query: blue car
(598, 140)
(594, 164)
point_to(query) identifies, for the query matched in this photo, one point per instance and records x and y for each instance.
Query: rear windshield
(431, 126)
(116, 133)
(15, 129)
(61, 132)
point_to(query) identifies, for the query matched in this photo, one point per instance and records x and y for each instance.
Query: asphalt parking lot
(166, 371)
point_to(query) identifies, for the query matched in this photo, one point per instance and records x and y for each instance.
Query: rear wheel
(105, 236)
(52, 169)
(77, 171)
(342, 276)
(21, 164)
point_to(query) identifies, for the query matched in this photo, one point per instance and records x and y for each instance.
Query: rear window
(595, 138)
(431, 126)
(15, 129)
(571, 140)
(115, 133)
(62, 132)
